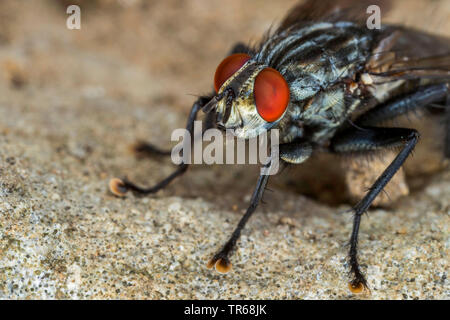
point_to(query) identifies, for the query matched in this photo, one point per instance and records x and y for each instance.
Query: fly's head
(251, 98)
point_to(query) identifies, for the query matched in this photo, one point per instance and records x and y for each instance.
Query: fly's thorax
(243, 116)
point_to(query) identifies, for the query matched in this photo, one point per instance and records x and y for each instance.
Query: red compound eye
(271, 93)
(228, 67)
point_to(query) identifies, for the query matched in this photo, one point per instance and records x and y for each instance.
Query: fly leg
(220, 259)
(121, 186)
(366, 140)
(240, 47)
(295, 152)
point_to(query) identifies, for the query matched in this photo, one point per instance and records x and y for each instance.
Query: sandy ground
(71, 103)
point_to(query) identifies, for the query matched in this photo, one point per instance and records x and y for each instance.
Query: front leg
(292, 153)
(367, 140)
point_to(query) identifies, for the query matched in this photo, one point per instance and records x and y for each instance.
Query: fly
(325, 81)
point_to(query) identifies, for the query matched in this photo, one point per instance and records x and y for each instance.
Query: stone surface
(71, 103)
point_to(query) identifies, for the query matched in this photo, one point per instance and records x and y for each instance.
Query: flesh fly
(326, 82)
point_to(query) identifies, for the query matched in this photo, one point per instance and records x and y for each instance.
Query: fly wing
(331, 11)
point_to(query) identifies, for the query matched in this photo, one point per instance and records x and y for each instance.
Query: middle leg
(367, 140)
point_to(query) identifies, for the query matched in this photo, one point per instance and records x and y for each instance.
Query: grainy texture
(71, 102)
